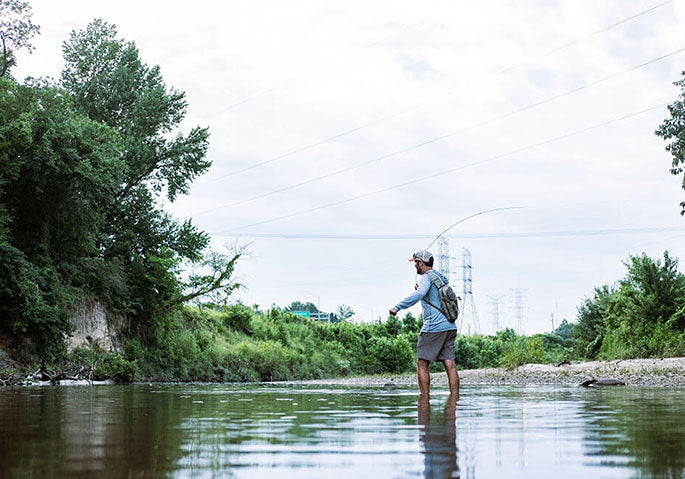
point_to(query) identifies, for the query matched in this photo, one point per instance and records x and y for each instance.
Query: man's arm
(421, 290)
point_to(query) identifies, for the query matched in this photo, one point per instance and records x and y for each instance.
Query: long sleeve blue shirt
(433, 320)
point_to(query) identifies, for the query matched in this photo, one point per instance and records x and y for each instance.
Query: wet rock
(602, 382)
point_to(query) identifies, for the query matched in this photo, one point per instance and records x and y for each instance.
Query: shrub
(118, 368)
(238, 318)
(524, 351)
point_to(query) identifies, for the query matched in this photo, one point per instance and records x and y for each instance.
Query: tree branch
(5, 63)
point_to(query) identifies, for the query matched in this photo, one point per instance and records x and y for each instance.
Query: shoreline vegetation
(238, 343)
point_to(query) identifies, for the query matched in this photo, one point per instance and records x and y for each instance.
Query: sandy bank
(668, 372)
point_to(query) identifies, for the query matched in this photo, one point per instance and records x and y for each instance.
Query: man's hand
(393, 311)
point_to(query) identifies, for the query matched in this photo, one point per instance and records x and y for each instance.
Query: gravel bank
(668, 372)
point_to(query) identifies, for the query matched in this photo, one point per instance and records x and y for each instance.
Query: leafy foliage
(237, 343)
(84, 165)
(16, 31)
(673, 129)
(301, 306)
(344, 312)
(641, 317)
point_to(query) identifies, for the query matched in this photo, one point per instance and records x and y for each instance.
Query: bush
(238, 318)
(118, 368)
(524, 351)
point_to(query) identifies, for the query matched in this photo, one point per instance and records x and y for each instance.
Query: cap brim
(413, 259)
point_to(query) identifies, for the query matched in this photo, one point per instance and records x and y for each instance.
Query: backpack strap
(438, 283)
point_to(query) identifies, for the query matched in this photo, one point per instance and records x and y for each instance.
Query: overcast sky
(411, 116)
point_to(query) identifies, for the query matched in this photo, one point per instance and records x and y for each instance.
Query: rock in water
(602, 382)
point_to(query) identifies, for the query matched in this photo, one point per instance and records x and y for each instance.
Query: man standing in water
(436, 339)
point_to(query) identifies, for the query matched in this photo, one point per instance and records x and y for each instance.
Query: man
(436, 339)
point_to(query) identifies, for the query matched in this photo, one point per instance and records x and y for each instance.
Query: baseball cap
(422, 255)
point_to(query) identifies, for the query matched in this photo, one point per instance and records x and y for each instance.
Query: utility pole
(552, 319)
(518, 308)
(495, 302)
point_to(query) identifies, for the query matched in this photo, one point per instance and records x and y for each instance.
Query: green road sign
(304, 314)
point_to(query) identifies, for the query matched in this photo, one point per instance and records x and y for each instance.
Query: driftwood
(84, 373)
(43, 374)
(602, 382)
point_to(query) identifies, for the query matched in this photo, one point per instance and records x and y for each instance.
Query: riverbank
(667, 372)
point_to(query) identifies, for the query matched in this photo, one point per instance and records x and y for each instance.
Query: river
(248, 430)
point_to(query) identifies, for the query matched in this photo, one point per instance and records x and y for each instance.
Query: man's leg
(424, 375)
(452, 376)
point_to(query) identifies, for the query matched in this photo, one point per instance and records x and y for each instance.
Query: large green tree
(673, 130)
(111, 84)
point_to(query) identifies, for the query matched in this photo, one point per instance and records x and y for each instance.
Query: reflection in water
(438, 438)
(652, 429)
(302, 431)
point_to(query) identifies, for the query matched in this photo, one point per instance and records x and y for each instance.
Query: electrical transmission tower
(495, 301)
(444, 257)
(518, 308)
(469, 318)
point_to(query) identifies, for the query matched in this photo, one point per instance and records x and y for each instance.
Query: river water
(322, 431)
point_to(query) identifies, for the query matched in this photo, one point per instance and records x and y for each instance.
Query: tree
(641, 316)
(589, 329)
(565, 329)
(16, 31)
(111, 85)
(673, 129)
(344, 312)
(300, 306)
(56, 167)
(83, 166)
(644, 313)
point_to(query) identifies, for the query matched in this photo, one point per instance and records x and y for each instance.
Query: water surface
(322, 431)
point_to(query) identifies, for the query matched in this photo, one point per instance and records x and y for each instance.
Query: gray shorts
(436, 346)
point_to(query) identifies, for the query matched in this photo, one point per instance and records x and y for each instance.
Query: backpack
(448, 298)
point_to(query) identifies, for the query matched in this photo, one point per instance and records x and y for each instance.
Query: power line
(418, 105)
(414, 181)
(441, 137)
(507, 234)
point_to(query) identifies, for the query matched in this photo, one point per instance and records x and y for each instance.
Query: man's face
(418, 264)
